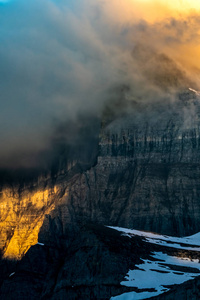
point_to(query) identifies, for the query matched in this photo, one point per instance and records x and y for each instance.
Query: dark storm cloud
(49, 70)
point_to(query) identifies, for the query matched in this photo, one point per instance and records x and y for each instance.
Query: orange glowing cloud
(154, 10)
(169, 27)
(150, 10)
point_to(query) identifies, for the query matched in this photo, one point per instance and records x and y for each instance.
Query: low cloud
(61, 60)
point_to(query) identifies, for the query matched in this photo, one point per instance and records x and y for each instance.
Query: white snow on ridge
(191, 242)
(163, 270)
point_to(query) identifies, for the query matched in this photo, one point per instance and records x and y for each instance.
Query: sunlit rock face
(22, 216)
(24, 204)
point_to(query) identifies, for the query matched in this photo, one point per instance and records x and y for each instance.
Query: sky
(62, 59)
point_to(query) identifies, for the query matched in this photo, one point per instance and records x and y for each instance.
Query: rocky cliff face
(146, 177)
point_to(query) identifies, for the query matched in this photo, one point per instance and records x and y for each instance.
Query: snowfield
(163, 270)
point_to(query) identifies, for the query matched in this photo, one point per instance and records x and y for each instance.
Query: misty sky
(60, 59)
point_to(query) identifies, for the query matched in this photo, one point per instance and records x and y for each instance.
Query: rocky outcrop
(22, 215)
(24, 203)
(90, 267)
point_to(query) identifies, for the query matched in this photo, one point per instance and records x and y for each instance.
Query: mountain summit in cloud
(61, 59)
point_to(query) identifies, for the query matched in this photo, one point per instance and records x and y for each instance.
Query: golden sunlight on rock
(21, 217)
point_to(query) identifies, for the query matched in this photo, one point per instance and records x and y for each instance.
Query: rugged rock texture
(90, 267)
(24, 203)
(22, 215)
(145, 176)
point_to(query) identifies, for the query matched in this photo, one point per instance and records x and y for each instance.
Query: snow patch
(163, 270)
(191, 242)
(41, 244)
(158, 274)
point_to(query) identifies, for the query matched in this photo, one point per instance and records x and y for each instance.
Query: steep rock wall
(146, 177)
